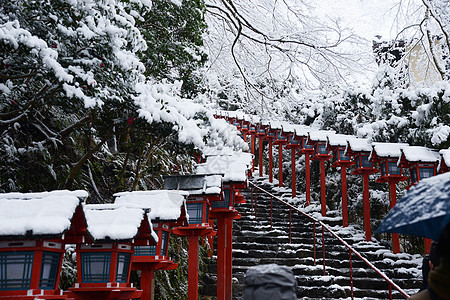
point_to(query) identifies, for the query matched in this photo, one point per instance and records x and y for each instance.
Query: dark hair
(433, 256)
(443, 245)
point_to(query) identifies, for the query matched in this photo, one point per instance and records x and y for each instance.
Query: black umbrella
(423, 211)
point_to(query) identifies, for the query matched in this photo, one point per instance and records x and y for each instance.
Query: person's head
(433, 256)
(443, 245)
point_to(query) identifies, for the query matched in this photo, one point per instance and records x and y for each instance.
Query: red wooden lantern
(387, 156)
(233, 167)
(319, 140)
(103, 267)
(261, 134)
(444, 163)
(202, 190)
(167, 209)
(302, 133)
(294, 143)
(337, 143)
(35, 228)
(359, 150)
(280, 140)
(421, 162)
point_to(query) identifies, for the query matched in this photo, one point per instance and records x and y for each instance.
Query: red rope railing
(391, 284)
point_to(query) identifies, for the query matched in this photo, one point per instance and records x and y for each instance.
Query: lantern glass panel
(15, 270)
(383, 169)
(357, 162)
(413, 175)
(95, 266)
(145, 250)
(49, 269)
(365, 161)
(322, 149)
(164, 243)
(195, 211)
(225, 203)
(342, 155)
(123, 264)
(394, 169)
(426, 172)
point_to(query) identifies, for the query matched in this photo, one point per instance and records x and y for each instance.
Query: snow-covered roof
(420, 154)
(210, 151)
(113, 221)
(445, 154)
(163, 204)
(304, 131)
(388, 149)
(336, 140)
(360, 145)
(199, 184)
(233, 167)
(39, 214)
(320, 135)
(279, 124)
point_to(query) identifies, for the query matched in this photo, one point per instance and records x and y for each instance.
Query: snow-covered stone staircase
(256, 243)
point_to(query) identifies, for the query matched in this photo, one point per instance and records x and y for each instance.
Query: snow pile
(163, 204)
(234, 166)
(47, 213)
(115, 222)
(420, 154)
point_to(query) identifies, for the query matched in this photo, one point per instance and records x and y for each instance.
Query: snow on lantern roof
(278, 124)
(38, 214)
(210, 151)
(114, 222)
(420, 154)
(163, 204)
(291, 127)
(199, 184)
(445, 154)
(388, 149)
(233, 168)
(301, 130)
(336, 140)
(255, 119)
(320, 135)
(360, 145)
(265, 122)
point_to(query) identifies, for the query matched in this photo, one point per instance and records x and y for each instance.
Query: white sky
(368, 18)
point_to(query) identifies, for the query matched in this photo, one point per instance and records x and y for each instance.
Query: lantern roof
(278, 125)
(301, 130)
(339, 140)
(211, 151)
(445, 158)
(386, 150)
(420, 154)
(198, 184)
(359, 145)
(240, 115)
(163, 204)
(233, 167)
(445, 154)
(117, 222)
(320, 135)
(39, 214)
